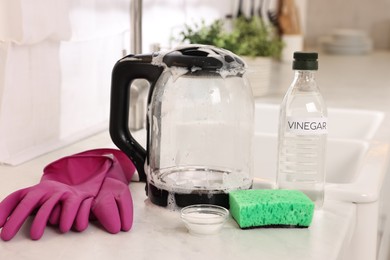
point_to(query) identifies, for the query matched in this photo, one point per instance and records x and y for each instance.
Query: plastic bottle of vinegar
(303, 132)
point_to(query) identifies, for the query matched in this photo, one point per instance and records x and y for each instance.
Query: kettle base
(166, 198)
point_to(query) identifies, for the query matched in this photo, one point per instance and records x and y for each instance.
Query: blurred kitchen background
(56, 56)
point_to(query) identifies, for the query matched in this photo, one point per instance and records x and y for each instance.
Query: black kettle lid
(204, 57)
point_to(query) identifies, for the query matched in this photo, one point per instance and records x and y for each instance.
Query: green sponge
(271, 208)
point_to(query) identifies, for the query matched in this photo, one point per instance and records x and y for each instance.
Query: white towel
(30, 98)
(56, 58)
(53, 93)
(32, 21)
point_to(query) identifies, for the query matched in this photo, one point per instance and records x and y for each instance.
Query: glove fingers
(8, 205)
(68, 213)
(125, 206)
(54, 218)
(19, 215)
(106, 212)
(42, 216)
(82, 218)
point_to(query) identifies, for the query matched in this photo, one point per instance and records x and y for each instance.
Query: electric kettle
(200, 124)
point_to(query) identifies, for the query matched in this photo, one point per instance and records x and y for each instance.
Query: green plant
(249, 37)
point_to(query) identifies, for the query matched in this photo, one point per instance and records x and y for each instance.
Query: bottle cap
(305, 61)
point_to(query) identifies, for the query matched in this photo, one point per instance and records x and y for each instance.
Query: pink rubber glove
(72, 182)
(113, 205)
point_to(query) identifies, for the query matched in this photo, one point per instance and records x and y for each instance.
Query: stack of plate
(347, 41)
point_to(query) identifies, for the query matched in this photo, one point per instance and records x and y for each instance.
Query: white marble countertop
(158, 233)
(352, 82)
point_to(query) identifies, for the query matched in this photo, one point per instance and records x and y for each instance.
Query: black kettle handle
(124, 72)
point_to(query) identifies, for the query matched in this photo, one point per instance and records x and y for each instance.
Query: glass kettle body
(199, 124)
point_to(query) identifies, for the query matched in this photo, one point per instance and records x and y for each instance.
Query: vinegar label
(307, 126)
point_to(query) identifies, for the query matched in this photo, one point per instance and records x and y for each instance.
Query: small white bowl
(204, 219)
